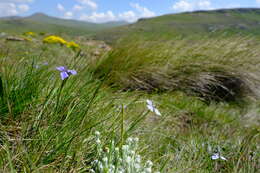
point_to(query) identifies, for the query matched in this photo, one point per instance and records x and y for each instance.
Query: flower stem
(122, 126)
(59, 94)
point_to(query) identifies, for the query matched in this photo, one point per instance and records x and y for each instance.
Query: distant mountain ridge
(232, 21)
(43, 23)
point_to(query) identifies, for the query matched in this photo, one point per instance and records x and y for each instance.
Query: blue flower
(65, 73)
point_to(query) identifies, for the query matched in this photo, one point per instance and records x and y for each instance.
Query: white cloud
(60, 7)
(77, 7)
(144, 12)
(204, 4)
(89, 3)
(68, 15)
(258, 2)
(182, 5)
(23, 8)
(8, 9)
(99, 17)
(129, 16)
(191, 5)
(13, 7)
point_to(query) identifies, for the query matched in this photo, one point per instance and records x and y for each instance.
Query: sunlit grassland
(41, 133)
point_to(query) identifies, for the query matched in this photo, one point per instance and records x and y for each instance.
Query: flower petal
(215, 156)
(149, 102)
(64, 75)
(61, 68)
(72, 72)
(157, 112)
(150, 107)
(223, 158)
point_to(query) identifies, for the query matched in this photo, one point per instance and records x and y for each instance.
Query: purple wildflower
(65, 73)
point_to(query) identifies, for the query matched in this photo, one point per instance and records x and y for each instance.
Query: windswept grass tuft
(214, 69)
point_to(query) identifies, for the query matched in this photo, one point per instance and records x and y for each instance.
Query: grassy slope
(41, 133)
(42, 23)
(244, 21)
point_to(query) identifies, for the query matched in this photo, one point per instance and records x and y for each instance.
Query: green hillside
(243, 21)
(39, 22)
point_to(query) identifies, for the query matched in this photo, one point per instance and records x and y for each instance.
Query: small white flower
(98, 141)
(95, 162)
(148, 170)
(132, 152)
(150, 106)
(149, 163)
(130, 140)
(125, 147)
(217, 156)
(97, 133)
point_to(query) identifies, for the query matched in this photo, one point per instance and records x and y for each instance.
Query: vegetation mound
(214, 69)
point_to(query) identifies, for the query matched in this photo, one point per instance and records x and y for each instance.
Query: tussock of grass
(214, 69)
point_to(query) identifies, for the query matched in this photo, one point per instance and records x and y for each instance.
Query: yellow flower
(32, 34)
(54, 39)
(74, 46)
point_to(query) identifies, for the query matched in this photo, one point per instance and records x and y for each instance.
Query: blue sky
(114, 10)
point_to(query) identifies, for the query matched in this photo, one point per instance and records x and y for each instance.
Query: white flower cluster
(119, 160)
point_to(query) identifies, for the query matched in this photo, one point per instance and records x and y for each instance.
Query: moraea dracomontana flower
(152, 108)
(65, 73)
(217, 156)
